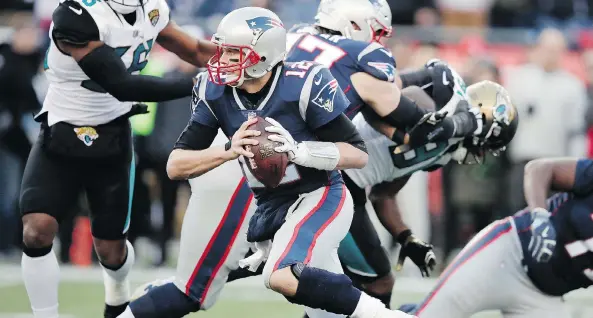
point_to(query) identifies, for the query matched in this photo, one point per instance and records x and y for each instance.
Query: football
(267, 165)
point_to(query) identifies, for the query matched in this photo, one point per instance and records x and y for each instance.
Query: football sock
(321, 289)
(384, 298)
(162, 301)
(367, 307)
(127, 314)
(41, 275)
(114, 311)
(117, 286)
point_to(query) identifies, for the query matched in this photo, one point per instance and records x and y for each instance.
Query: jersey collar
(263, 103)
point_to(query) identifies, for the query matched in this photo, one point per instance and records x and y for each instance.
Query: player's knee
(39, 230)
(110, 252)
(381, 285)
(283, 281)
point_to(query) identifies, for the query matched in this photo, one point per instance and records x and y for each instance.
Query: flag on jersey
(385, 68)
(325, 97)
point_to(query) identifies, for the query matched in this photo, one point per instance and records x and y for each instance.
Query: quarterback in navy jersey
(297, 226)
(532, 258)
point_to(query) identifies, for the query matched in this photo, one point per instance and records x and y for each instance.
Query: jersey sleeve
(322, 98)
(583, 183)
(162, 15)
(73, 24)
(378, 62)
(202, 113)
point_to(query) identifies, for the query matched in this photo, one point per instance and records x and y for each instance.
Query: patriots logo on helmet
(326, 95)
(385, 68)
(260, 25)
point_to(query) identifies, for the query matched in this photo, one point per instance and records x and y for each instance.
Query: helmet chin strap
(241, 80)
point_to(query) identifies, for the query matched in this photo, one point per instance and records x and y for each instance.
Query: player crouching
(523, 265)
(303, 219)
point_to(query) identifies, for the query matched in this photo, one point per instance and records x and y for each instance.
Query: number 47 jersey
(72, 96)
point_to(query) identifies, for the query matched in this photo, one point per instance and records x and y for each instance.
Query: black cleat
(114, 311)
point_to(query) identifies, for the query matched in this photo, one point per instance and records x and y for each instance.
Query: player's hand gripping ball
(267, 165)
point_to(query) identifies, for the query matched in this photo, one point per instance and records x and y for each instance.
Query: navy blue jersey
(303, 97)
(344, 57)
(571, 265)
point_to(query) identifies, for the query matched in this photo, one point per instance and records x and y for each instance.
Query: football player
(97, 48)
(390, 166)
(345, 38)
(530, 259)
(309, 213)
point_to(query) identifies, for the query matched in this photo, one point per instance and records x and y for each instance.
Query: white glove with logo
(543, 236)
(313, 154)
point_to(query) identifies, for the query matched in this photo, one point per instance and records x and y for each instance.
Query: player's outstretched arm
(192, 155)
(341, 131)
(101, 64)
(76, 34)
(414, 93)
(386, 99)
(191, 50)
(558, 174)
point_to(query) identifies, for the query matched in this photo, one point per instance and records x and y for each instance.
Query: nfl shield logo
(154, 16)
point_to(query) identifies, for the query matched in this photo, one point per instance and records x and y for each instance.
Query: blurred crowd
(548, 69)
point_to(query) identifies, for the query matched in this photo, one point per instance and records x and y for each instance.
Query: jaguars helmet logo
(86, 134)
(154, 16)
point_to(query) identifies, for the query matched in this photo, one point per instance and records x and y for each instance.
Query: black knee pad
(325, 290)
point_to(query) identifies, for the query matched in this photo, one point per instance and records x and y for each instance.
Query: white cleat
(388, 313)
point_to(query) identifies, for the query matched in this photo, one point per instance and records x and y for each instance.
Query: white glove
(313, 154)
(262, 251)
(289, 145)
(543, 236)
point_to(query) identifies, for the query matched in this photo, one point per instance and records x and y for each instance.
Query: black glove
(432, 127)
(443, 82)
(418, 251)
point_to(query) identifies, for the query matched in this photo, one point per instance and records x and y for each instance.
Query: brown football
(267, 165)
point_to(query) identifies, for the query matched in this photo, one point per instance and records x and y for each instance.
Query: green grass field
(83, 300)
(81, 296)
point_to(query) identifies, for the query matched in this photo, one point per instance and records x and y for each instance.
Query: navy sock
(163, 301)
(325, 290)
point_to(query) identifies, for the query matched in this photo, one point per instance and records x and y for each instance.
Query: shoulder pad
(295, 76)
(73, 24)
(206, 89)
(377, 61)
(159, 13)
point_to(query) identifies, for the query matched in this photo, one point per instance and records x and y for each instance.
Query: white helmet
(260, 37)
(126, 6)
(362, 20)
